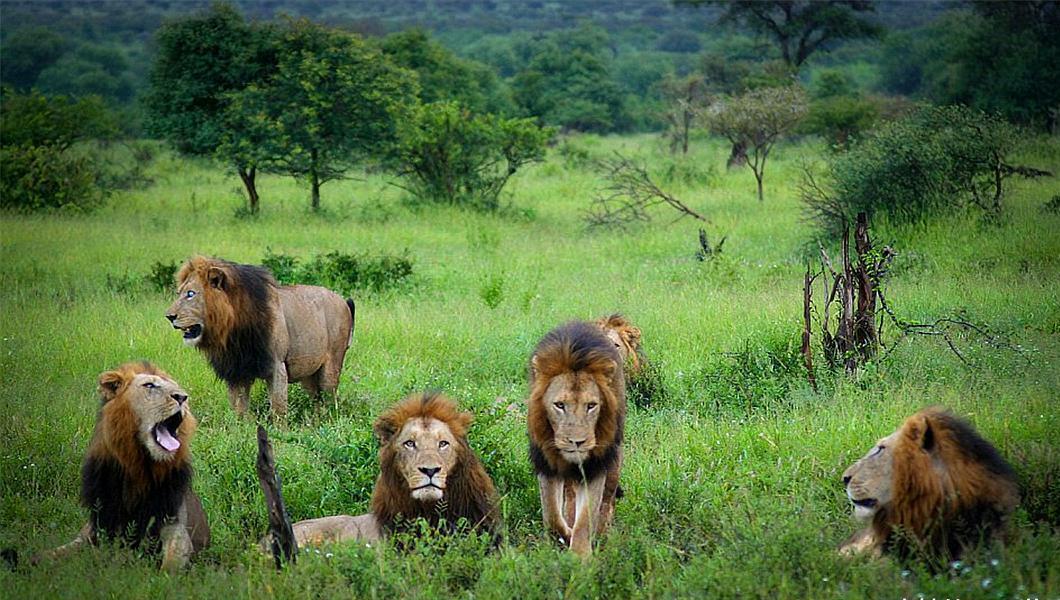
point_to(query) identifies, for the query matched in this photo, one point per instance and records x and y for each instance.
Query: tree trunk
(282, 542)
(738, 155)
(758, 177)
(248, 177)
(807, 351)
(314, 178)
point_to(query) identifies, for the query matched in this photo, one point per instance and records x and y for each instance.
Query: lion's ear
(608, 369)
(534, 370)
(465, 419)
(216, 277)
(384, 429)
(110, 383)
(921, 432)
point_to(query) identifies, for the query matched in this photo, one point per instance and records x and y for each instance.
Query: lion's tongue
(166, 439)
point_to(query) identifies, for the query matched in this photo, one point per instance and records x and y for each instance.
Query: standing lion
(249, 327)
(575, 421)
(136, 478)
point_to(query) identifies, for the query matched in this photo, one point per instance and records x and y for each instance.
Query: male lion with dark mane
(931, 489)
(136, 478)
(575, 420)
(427, 471)
(252, 328)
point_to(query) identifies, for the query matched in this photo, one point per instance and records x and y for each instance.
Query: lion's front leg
(278, 390)
(587, 500)
(176, 546)
(552, 506)
(85, 536)
(863, 541)
(239, 398)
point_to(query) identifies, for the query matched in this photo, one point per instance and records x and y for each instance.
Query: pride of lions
(931, 489)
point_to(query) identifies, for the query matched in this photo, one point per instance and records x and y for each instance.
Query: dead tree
(281, 534)
(706, 249)
(628, 195)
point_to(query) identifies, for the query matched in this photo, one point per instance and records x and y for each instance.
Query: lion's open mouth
(865, 502)
(165, 432)
(193, 332)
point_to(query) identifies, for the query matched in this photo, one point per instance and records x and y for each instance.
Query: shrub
(161, 275)
(341, 272)
(839, 119)
(934, 160)
(446, 154)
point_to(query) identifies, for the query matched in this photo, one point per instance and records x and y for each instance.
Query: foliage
(340, 271)
(39, 166)
(757, 120)
(443, 76)
(799, 28)
(447, 154)
(685, 99)
(161, 275)
(932, 161)
(28, 51)
(332, 102)
(568, 82)
(837, 112)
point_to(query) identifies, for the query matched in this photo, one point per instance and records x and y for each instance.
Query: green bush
(46, 177)
(937, 159)
(840, 119)
(341, 272)
(446, 154)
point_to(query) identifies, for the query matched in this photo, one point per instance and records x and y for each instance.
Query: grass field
(732, 474)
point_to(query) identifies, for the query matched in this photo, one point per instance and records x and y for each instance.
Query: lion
(427, 471)
(136, 477)
(626, 339)
(249, 327)
(575, 421)
(931, 489)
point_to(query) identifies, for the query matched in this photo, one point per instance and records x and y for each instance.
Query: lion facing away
(249, 327)
(931, 489)
(136, 477)
(626, 338)
(427, 471)
(575, 421)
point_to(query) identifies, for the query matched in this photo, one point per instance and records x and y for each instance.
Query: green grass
(731, 477)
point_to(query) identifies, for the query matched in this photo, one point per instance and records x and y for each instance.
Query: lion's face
(425, 453)
(621, 344)
(572, 403)
(868, 481)
(159, 406)
(188, 311)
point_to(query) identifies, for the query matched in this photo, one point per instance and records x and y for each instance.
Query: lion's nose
(180, 398)
(846, 479)
(577, 443)
(430, 471)
(171, 318)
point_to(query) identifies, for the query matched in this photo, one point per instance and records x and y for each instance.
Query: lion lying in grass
(427, 471)
(931, 489)
(136, 478)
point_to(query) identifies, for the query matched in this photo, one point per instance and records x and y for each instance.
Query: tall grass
(732, 473)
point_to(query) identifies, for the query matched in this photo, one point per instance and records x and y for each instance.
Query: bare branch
(628, 195)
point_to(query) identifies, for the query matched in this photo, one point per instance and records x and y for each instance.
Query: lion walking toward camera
(931, 489)
(136, 477)
(575, 420)
(249, 327)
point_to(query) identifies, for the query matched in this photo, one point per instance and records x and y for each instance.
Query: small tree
(685, 98)
(756, 121)
(201, 61)
(332, 102)
(446, 154)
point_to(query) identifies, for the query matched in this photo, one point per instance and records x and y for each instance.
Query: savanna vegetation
(463, 147)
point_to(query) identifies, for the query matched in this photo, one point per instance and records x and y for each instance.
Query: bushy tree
(28, 51)
(934, 160)
(837, 111)
(90, 70)
(756, 121)
(38, 167)
(201, 61)
(332, 101)
(447, 154)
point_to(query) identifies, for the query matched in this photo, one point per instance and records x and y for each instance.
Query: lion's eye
(149, 385)
(190, 294)
(558, 405)
(409, 444)
(443, 444)
(877, 450)
(590, 406)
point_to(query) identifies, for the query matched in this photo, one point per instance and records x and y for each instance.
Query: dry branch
(281, 535)
(628, 195)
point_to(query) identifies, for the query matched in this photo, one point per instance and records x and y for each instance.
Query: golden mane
(469, 493)
(576, 346)
(629, 334)
(951, 488)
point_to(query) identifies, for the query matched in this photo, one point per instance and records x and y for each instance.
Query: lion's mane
(951, 488)
(130, 496)
(570, 348)
(469, 492)
(238, 318)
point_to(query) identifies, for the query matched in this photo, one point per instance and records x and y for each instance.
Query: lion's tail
(353, 318)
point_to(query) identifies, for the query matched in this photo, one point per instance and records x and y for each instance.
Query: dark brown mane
(469, 492)
(938, 516)
(570, 348)
(128, 494)
(237, 335)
